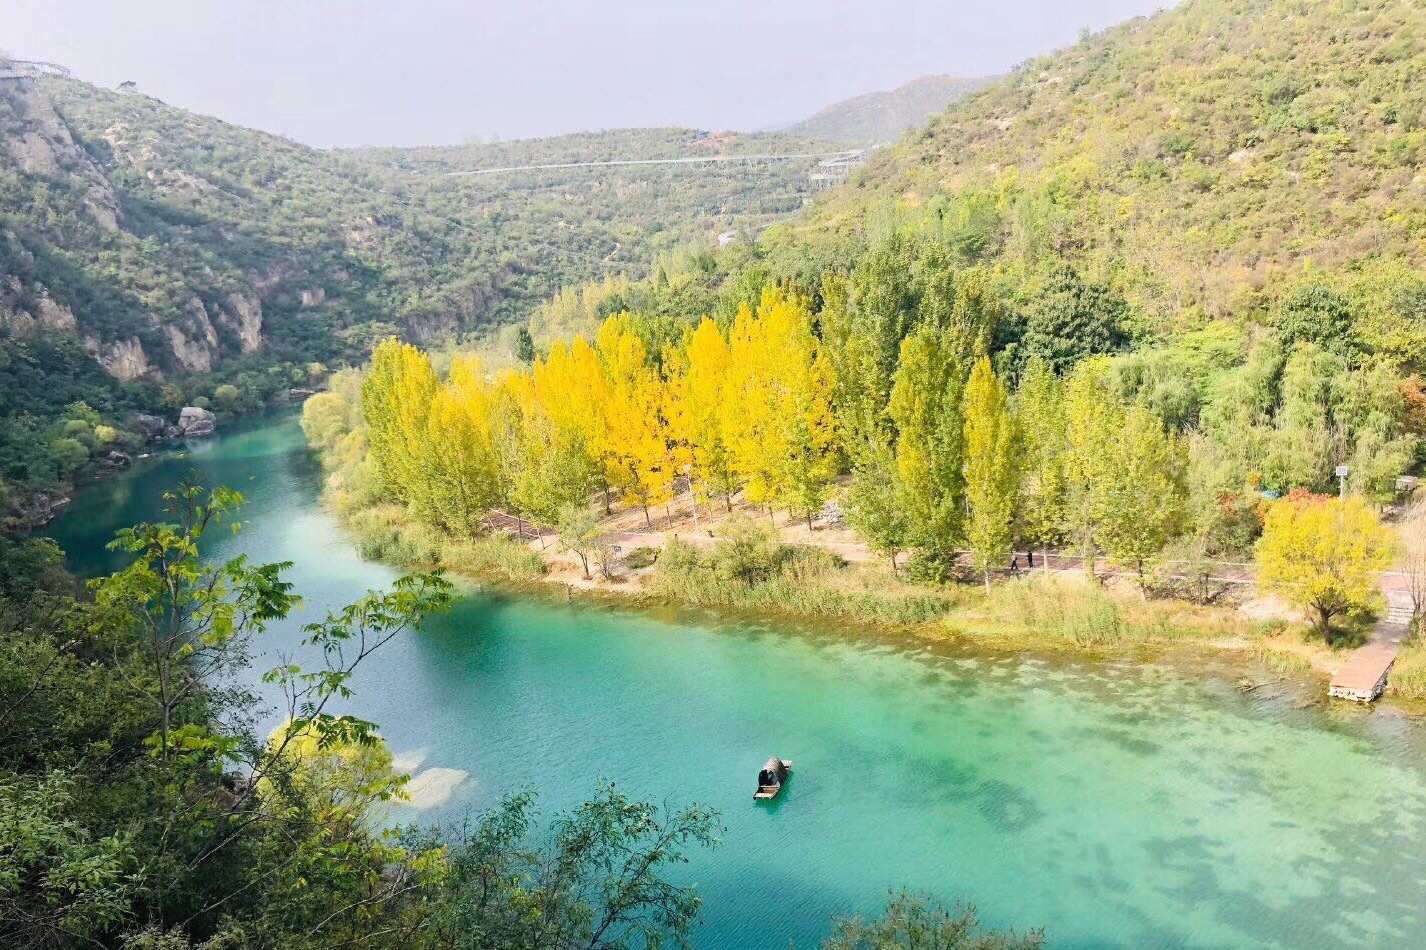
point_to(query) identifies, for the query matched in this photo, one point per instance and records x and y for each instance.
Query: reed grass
(386, 533)
(1070, 612)
(1408, 675)
(804, 581)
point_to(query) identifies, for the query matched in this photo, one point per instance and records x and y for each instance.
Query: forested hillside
(1205, 226)
(153, 257)
(878, 117)
(1202, 161)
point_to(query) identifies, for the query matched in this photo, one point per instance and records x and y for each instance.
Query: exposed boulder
(150, 427)
(35, 511)
(194, 421)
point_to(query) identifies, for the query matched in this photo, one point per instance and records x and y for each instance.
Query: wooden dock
(1363, 677)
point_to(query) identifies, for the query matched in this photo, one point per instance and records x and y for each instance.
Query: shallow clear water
(1116, 804)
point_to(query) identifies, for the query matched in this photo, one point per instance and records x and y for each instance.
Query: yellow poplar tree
(569, 394)
(1323, 554)
(464, 470)
(776, 413)
(1040, 419)
(697, 389)
(636, 437)
(1094, 419)
(396, 403)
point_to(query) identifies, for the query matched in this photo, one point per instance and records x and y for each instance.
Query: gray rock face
(144, 424)
(124, 359)
(244, 317)
(193, 421)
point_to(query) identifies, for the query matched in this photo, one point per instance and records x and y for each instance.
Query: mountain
(150, 256)
(1205, 161)
(170, 241)
(878, 117)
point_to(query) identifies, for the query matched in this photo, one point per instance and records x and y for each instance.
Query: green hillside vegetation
(1203, 162)
(879, 117)
(1221, 204)
(199, 262)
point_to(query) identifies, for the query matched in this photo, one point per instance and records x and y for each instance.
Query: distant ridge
(878, 117)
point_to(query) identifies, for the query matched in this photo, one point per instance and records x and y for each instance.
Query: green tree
(1143, 501)
(1072, 319)
(992, 451)
(1040, 419)
(1093, 420)
(926, 407)
(524, 346)
(597, 878)
(1317, 315)
(194, 619)
(875, 508)
(580, 533)
(912, 923)
(125, 804)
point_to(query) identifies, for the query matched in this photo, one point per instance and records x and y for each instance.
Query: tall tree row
(750, 411)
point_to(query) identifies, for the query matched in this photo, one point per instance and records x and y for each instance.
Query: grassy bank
(385, 533)
(750, 572)
(1408, 675)
(792, 579)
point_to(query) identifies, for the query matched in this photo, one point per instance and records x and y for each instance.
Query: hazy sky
(383, 72)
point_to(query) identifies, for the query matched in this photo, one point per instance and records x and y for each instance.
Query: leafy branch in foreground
(913, 923)
(596, 880)
(187, 623)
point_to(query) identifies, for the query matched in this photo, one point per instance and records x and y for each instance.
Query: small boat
(770, 779)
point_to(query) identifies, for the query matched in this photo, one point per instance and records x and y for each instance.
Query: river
(1117, 804)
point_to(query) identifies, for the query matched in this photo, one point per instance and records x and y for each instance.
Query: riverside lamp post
(1342, 482)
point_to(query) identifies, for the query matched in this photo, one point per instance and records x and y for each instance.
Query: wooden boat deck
(1363, 677)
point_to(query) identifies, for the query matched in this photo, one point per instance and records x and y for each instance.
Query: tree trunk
(608, 505)
(809, 521)
(584, 559)
(987, 578)
(648, 522)
(728, 501)
(1324, 622)
(893, 563)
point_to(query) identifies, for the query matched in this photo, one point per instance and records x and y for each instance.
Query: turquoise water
(1116, 804)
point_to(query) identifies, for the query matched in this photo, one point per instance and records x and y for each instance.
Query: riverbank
(1059, 612)
(144, 435)
(1002, 770)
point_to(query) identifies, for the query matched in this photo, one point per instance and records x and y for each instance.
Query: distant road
(688, 160)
